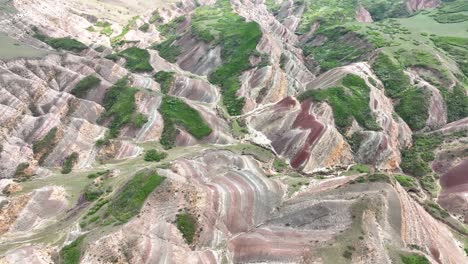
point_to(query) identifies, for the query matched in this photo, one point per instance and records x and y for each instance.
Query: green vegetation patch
(377, 177)
(106, 28)
(390, 72)
(168, 49)
(457, 48)
(97, 174)
(117, 40)
(165, 80)
(336, 47)
(154, 155)
(238, 40)
(412, 103)
(452, 12)
(405, 181)
(119, 102)
(145, 27)
(44, 147)
(187, 225)
(429, 184)
(350, 100)
(177, 112)
(71, 254)
(415, 159)
(69, 163)
(85, 85)
(137, 60)
(435, 210)
(21, 172)
(414, 259)
(456, 102)
(337, 12)
(66, 43)
(279, 165)
(450, 18)
(170, 29)
(128, 202)
(357, 169)
(155, 17)
(95, 190)
(413, 108)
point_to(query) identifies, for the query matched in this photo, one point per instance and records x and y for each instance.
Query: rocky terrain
(254, 131)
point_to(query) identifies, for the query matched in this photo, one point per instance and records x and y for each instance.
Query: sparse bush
(44, 147)
(154, 155)
(69, 163)
(85, 85)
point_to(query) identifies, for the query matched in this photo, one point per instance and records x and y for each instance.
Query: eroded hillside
(254, 131)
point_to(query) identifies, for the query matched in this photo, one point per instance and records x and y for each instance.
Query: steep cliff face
(303, 133)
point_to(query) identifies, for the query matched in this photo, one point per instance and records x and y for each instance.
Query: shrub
(144, 27)
(66, 43)
(85, 85)
(43, 147)
(279, 165)
(413, 108)
(186, 224)
(137, 60)
(97, 174)
(358, 168)
(92, 192)
(456, 102)
(435, 210)
(168, 50)
(69, 162)
(20, 172)
(165, 80)
(119, 102)
(405, 181)
(170, 28)
(154, 155)
(391, 74)
(415, 159)
(155, 17)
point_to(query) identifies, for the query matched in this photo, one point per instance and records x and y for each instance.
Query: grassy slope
(119, 102)
(127, 203)
(71, 253)
(238, 40)
(349, 100)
